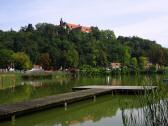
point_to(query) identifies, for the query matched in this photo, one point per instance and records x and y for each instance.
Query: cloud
(155, 29)
(145, 18)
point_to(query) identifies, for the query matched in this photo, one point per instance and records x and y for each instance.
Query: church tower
(61, 22)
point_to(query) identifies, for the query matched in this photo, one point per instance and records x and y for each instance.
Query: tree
(108, 35)
(28, 28)
(156, 55)
(60, 46)
(72, 58)
(21, 61)
(102, 59)
(45, 61)
(96, 33)
(6, 59)
(126, 56)
(143, 61)
(134, 64)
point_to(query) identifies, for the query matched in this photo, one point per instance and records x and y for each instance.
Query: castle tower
(61, 22)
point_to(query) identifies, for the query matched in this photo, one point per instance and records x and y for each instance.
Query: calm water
(105, 111)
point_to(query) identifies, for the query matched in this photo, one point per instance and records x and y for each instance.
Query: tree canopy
(53, 46)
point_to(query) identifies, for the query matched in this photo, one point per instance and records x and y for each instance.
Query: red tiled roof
(73, 25)
(83, 28)
(86, 29)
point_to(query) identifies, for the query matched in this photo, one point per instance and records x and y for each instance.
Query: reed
(153, 113)
(35, 76)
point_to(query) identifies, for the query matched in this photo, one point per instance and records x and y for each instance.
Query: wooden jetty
(119, 89)
(133, 88)
(10, 111)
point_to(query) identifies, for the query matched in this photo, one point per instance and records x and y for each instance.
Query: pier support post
(2, 82)
(65, 106)
(112, 93)
(94, 98)
(13, 119)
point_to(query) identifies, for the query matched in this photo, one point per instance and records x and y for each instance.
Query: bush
(87, 70)
(33, 76)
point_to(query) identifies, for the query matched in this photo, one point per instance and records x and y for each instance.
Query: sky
(144, 18)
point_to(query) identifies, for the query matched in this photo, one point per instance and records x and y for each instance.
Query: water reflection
(105, 111)
(26, 90)
(150, 115)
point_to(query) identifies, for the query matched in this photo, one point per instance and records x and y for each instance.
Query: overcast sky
(143, 18)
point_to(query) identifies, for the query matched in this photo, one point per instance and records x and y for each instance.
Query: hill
(54, 46)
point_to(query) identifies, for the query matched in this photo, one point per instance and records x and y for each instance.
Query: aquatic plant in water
(153, 113)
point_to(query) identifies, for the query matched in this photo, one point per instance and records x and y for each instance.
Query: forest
(53, 46)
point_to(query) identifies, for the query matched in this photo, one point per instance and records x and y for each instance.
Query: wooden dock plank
(23, 107)
(17, 109)
(115, 87)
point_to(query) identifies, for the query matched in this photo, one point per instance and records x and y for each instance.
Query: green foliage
(45, 61)
(134, 64)
(21, 61)
(36, 76)
(87, 70)
(54, 46)
(143, 61)
(126, 56)
(153, 69)
(6, 59)
(72, 58)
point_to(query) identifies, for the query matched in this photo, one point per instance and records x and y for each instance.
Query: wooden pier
(10, 111)
(117, 88)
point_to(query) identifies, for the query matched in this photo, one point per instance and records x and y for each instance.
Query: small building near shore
(36, 68)
(115, 65)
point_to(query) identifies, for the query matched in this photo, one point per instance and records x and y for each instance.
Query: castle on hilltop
(75, 26)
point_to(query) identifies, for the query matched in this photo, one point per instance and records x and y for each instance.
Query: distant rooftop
(75, 26)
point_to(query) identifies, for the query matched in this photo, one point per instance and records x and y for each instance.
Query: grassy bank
(9, 80)
(100, 71)
(33, 76)
(44, 75)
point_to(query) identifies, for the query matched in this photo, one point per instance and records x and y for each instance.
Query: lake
(105, 111)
